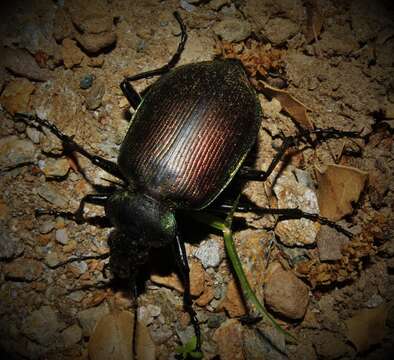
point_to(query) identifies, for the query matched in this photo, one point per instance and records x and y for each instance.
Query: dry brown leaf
(339, 186)
(171, 281)
(144, 345)
(367, 327)
(112, 337)
(290, 105)
(314, 21)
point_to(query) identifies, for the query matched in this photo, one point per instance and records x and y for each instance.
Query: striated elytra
(190, 135)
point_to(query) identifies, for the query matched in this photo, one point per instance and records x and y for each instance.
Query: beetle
(186, 141)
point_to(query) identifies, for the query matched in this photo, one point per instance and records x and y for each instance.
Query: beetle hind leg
(292, 141)
(285, 214)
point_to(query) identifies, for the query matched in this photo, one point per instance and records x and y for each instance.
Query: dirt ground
(315, 64)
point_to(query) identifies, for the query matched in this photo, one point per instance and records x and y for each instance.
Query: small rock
(162, 334)
(71, 54)
(61, 236)
(72, 335)
(70, 247)
(186, 5)
(77, 296)
(95, 96)
(42, 325)
(88, 318)
(304, 178)
(16, 95)
(232, 29)
(63, 27)
(279, 29)
(79, 267)
(33, 134)
(229, 340)
(215, 320)
(21, 63)
(206, 296)
(94, 43)
(49, 193)
(217, 4)
(94, 22)
(97, 61)
(332, 44)
(52, 259)
(90, 16)
(285, 293)
(10, 246)
(209, 253)
(197, 278)
(46, 227)
(86, 82)
(23, 269)
(292, 194)
(374, 301)
(233, 301)
(16, 152)
(330, 243)
(146, 314)
(329, 345)
(55, 167)
(185, 334)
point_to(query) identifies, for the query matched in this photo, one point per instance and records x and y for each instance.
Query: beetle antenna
(175, 58)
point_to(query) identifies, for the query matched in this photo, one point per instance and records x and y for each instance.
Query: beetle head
(141, 217)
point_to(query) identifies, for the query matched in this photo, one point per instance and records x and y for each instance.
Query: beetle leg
(131, 94)
(285, 213)
(70, 145)
(78, 215)
(183, 267)
(291, 141)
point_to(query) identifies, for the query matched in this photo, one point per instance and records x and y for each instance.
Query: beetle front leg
(70, 145)
(291, 141)
(184, 271)
(78, 215)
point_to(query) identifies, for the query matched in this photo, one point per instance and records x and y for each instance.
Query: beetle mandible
(186, 141)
